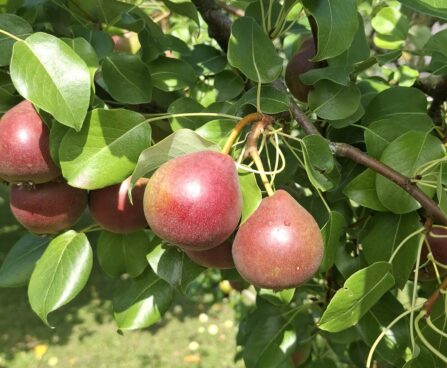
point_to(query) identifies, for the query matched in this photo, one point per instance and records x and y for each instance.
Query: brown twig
(356, 155)
(219, 25)
(429, 304)
(231, 9)
(248, 119)
(437, 89)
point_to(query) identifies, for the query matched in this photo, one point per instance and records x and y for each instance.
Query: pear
(280, 245)
(194, 201)
(299, 64)
(218, 257)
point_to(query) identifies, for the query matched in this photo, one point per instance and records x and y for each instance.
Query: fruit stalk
(248, 119)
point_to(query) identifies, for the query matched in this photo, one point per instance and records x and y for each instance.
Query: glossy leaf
(170, 74)
(337, 24)
(19, 264)
(15, 25)
(216, 131)
(207, 60)
(318, 161)
(185, 8)
(435, 8)
(333, 101)
(360, 292)
(251, 194)
(123, 253)
(60, 274)
(406, 154)
(142, 302)
(228, 85)
(396, 101)
(362, 190)
(106, 150)
(332, 233)
(179, 143)
(272, 100)
(57, 78)
(383, 233)
(127, 78)
(173, 266)
(251, 51)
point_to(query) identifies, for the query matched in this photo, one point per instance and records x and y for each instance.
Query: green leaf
(337, 25)
(101, 41)
(170, 74)
(86, 52)
(216, 131)
(173, 266)
(60, 274)
(123, 253)
(181, 142)
(279, 298)
(143, 302)
(251, 195)
(252, 52)
(185, 105)
(8, 95)
(318, 161)
(360, 292)
(382, 132)
(396, 101)
(127, 78)
(46, 71)
(391, 21)
(333, 101)
(19, 264)
(436, 43)
(272, 100)
(207, 60)
(362, 190)
(106, 150)
(336, 74)
(15, 25)
(332, 233)
(405, 155)
(383, 233)
(434, 8)
(228, 85)
(185, 8)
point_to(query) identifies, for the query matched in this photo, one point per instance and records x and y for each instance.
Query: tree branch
(231, 9)
(219, 25)
(437, 89)
(356, 155)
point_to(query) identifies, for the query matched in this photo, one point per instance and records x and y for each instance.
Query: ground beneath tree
(86, 336)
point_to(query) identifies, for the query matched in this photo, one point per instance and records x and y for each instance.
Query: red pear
(299, 64)
(110, 207)
(24, 147)
(280, 245)
(218, 257)
(194, 201)
(47, 208)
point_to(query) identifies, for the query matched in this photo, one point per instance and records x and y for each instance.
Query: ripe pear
(47, 208)
(110, 207)
(218, 257)
(24, 147)
(437, 239)
(280, 245)
(194, 201)
(299, 64)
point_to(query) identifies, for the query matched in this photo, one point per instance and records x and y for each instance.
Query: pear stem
(252, 150)
(248, 119)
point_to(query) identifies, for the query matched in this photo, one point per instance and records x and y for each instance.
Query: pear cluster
(40, 200)
(194, 202)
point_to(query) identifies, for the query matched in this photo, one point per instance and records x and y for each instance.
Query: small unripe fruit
(299, 64)
(194, 201)
(280, 245)
(110, 207)
(24, 147)
(47, 208)
(218, 257)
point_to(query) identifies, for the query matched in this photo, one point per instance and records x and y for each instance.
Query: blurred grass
(191, 334)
